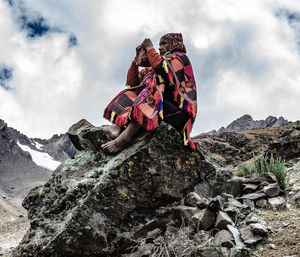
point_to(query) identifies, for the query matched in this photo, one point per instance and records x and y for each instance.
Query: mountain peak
(246, 122)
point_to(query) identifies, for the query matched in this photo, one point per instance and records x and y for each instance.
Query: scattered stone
(234, 202)
(227, 196)
(235, 186)
(217, 203)
(185, 212)
(296, 199)
(254, 196)
(238, 251)
(285, 224)
(236, 235)
(267, 177)
(259, 229)
(155, 233)
(254, 240)
(262, 203)
(208, 251)
(223, 238)
(223, 220)
(233, 212)
(194, 200)
(252, 218)
(270, 246)
(208, 219)
(248, 236)
(250, 188)
(277, 202)
(249, 203)
(272, 190)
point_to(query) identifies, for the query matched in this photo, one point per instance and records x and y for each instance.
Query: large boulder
(94, 204)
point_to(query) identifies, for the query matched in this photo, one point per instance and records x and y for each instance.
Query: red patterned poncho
(143, 100)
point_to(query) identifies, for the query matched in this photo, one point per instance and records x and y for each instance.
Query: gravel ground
(285, 240)
(13, 224)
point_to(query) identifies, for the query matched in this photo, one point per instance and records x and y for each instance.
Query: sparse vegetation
(263, 164)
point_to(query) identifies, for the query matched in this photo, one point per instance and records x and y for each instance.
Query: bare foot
(115, 145)
(124, 138)
(113, 131)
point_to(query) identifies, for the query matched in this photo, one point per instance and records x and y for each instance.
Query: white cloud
(245, 59)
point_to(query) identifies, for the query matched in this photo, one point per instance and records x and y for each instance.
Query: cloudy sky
(63, 60)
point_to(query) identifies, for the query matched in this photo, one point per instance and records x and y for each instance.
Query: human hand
(147, 44)
(137, 52)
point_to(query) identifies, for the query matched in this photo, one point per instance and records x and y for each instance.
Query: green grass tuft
(263, 164)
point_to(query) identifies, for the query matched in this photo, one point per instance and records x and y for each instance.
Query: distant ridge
(246, 122)
(27, 162)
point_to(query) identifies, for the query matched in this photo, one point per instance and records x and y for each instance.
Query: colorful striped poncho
(144, 102)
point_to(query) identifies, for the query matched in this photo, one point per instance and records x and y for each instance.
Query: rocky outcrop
(18, 172)
(59, 147)
(102, 205)
(246, 122)
(287, 146)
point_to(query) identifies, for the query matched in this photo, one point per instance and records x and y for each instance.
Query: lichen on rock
(94, 203)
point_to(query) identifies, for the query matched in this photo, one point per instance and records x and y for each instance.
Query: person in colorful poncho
(166, 90)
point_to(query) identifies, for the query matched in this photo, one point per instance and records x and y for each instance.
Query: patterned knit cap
(175, 41)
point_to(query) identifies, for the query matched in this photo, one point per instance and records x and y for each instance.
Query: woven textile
(144, 103)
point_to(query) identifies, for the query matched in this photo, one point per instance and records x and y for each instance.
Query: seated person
(165, 90)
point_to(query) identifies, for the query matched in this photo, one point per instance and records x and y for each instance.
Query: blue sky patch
(293, 19)
(72, 41)
(34, 28)
(10, 2)
(6, 74)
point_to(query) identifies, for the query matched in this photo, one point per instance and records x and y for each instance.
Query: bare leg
(113, 131)
(124, 138)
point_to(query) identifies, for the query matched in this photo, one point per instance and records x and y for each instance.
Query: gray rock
(253, 196)
(208, 251)
(248, 236)
(296, 199)
(270, 246)
(217, 203)
(234, 202)
(254, 240)
(194, 200)
(235, 186)
(252, 218)
(267, 177)
(85, 136)
(77, 214)
(155, 233)
(277, 202)
(185, 213)
(250, 188)
(223, 238)
(236, 235)
(223, 220)
(249, 203)
(272, 190)
(262, 203)
(161, 224)
(206, 219)
(233, 212)
(238, 251)
(259, 229)
(227, 196)
(144, 250)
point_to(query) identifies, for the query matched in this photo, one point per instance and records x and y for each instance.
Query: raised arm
(133, 71)
(132, 75)
(154, 58)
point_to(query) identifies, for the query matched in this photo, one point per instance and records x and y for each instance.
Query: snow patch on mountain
(38, 145)
(40, 158)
